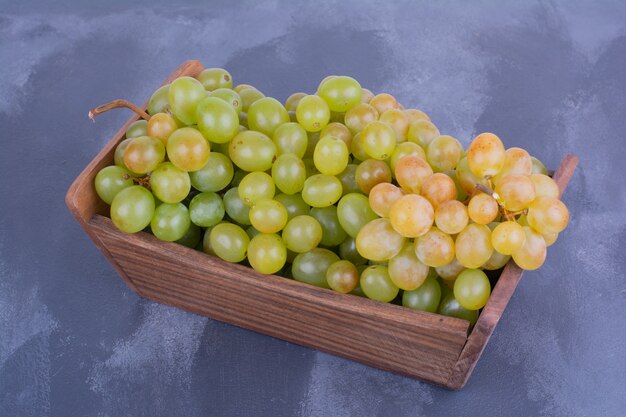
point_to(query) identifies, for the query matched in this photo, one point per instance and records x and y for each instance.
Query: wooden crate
(437, 349)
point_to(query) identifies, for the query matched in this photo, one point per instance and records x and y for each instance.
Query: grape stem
(509, 215)
(143, 181)
(116, 104)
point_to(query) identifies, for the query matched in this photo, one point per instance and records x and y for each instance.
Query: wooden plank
(385, 336)
(499, 299)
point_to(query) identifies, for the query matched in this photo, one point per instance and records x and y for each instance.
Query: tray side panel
(389, 337)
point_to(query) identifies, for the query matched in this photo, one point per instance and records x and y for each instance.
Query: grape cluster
(341, 189)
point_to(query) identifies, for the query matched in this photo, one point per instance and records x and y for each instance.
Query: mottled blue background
(549, 76)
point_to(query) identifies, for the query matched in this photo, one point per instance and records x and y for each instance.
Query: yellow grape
(411, 215)
(143, 154)
(411, 171)
(356, 148)
(291, 104)
(485, 155)
(466, 179)
(451, 217)
(544, 186)
(422, 132)
(450, 271)
(382, 196)
(483, 209)
(366, 95)
(548, 215)
(378, 241)
(337, 130)
(383, 102)
(517, 192)
(405, 270)
(496, 261)
(532, 254)
(187, 149)
(444, 153)
(435, 248)
(516, 162)
(550, 238)
(404, 149)
(360, 116)
(415, 115)
(161, 126)
(378, 140)
(438, 188)
(399, 122)
(473, 245)
(508, 237)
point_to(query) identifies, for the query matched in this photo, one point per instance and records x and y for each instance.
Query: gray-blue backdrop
(549, 76)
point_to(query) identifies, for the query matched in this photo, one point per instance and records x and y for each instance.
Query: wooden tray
(437, 349)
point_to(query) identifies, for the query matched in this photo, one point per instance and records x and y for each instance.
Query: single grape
(354, 212)
(229, 242)
(143, 154)
(371, 172)
(548, 215)
(348, 251)
(267, 253)
(378, 140)
(383, 102)
(289, 173)
(377, 285)
(185, 93)
(342, 276)
(217, 120)
(312, 113)
(332, 232)
(472, 289)
(321, 190)
(414, 115)
(544, 186)
(378, 241)
(366, 95)
(341, 93)
(538, 166)
(337, 130)
(451, 217)
(214, 78)
(426, 297)
(496, 261)
(132, 209)
(399, 122)
(187, 149)
(360, 116)
(110, 181)
(382, 196)
(404, 149)
(256, 186)
(356, 148)
(449, 306)
(240, 87)
(508, 237)
(302, 234)
(311, 267)
(248, 97)
(331, 155)
(137, 128)
(435, 248)
(473, 245)
(230, 97)
(291, 104)
(411, 171)
(485, 155)
(290, 138)
(161, 126)
(170, 221)
(268, 216)
(215, 175)
(252, 151)
(438, 189)
(517, 192)
(294, 204)
(266, 114)
(169, 183)
(443, 153)
(533, 252)
(450, 271)
(422, 132)
(483, 209)
(206, 209)
(348, 179)
(159, 101)
(516, 162)
(411, 215)
(235, 207)
(405, 270)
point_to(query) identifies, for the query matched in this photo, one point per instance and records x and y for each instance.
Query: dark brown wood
(502, 292)
(427, 346)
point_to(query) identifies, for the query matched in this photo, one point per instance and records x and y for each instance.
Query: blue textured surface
(546, 76)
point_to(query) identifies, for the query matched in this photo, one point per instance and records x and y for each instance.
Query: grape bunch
(340, 189)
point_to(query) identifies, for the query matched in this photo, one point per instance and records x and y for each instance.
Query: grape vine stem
(116, 104)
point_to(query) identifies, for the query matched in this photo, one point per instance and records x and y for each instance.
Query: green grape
(449, 306)
(532, 254)
(370, 173)
(302, 234)
(132, 209)
(170, 221)
(339, 131)
(235, 207)
(291, 104)
(473, 245)
(143, 154)
(332, 232)
(377, 285)
(472, 289)
(309, 165)
(312, 139)
(206, 209)
(229, 242)
(331, 155)
(252, 151)
(548, 215)
(311, 267)
(161, 126)
(110, 181)
(266, 114)
(422, 132)
(348, 251)
(342, 276)
(378, 140)
(404, 149)
(289, 173)
(252, 232)
(256, 186)
(360, 116)
(354, 212)
(356, 148)
(214, 78)
(538, 167)
(217, 120)
(215, 175)
(169, 183)
(444, 153)
(321, 190)
(426, 297)
(240, 87)
(348, 179)
(187, 149)
(341, 93)
(137, 128)
(267, 253)
(243, 121)
(159, 101)
(405, 270)
(268, 216)
(294, 204)
(290, 138)
(399, 122)
(378, 241)
(248, 97)
(496, 261)
(230, 97)
(192, 237)
(312, 113)
(237, 177)
(206, 242)
(485, 155)
(292, 119)
(185, 93)
(118, 156)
